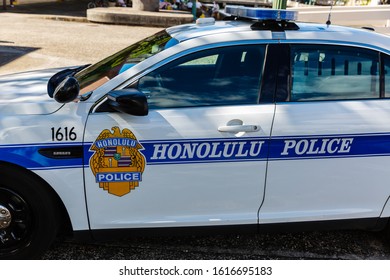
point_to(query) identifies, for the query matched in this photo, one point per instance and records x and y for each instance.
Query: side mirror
(67, 91)
(57, 78)
(130, 101)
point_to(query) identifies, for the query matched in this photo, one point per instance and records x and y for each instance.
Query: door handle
(239, 128)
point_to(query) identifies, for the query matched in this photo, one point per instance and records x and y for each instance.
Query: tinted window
(220, 76)
(333, 73)
(96, 75)
(387, 75)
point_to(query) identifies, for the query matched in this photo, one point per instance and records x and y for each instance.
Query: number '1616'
(63, 134)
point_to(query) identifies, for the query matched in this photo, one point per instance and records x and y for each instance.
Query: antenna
(328, 22)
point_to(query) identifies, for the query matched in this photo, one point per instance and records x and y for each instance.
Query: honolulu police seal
(117, 162)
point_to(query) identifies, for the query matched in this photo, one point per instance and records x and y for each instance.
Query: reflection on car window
(387, 75)
(214, 77)
(333, 73)
(91, 77)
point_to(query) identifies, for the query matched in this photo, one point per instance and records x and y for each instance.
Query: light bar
(261, 13)
(205, 21)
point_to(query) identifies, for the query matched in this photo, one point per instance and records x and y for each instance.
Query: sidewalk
(76, 10)
(30, 41)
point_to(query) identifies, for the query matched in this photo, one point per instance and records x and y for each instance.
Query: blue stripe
(329, 146)
(188, 151)
(202, 151)
(276, 148)
(29, 157)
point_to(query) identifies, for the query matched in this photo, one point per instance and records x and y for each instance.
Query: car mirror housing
(67, 91)
(129, 101)
(57, 78)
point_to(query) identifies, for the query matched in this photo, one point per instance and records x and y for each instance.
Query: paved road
(369, 16)
(30, 42)
(333, 245)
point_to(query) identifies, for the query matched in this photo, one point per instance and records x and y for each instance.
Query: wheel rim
(16, 222)
(5, 217)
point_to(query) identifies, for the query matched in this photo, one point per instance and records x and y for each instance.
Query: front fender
(43, 156)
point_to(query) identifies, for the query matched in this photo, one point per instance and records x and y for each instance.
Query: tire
(28, 217)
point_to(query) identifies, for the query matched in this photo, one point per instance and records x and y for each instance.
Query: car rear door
(329, 149)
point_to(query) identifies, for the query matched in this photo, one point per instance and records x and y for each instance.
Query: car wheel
(28, 219)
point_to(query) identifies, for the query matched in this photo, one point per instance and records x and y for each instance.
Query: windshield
(103, 71)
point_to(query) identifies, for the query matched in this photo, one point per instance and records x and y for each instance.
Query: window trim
(382, 84)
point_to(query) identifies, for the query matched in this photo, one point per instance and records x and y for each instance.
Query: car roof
(310, 32)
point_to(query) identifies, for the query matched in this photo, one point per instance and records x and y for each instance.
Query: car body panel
(26, 94)
(185, 162)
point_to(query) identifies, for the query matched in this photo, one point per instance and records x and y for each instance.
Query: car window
(96, 75)
(333, 73)
(386, 62)
(214, 77)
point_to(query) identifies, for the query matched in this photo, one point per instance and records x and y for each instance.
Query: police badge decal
(117, 162)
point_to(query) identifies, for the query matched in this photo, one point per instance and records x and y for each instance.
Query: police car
(256, 122)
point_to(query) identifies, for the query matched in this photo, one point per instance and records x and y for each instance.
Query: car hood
(26, 93)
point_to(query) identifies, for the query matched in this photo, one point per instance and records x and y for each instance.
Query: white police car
(256, 122)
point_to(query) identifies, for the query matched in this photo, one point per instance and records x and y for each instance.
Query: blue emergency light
(261, 13)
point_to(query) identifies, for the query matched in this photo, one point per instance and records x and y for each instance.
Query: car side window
(333, 73)
(386, 68)
(213, 77)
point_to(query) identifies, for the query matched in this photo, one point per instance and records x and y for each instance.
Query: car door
(199, 156)
(329, 152)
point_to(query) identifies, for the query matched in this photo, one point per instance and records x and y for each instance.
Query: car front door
(198, 157)
(329, 151)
